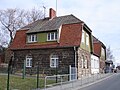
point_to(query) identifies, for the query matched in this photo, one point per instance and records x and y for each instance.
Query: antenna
(44, 11)
(56, 7)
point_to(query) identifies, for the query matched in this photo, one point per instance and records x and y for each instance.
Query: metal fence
(64, 83)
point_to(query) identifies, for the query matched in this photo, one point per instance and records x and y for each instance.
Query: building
(55, 43)
(100, 51)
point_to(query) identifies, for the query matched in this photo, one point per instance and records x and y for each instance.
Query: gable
(71, 35)
(97, 49)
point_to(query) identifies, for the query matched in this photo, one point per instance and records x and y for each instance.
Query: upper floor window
(87, 39)
(28, 61)
(102, 51)
(32, 38)
(52, 36)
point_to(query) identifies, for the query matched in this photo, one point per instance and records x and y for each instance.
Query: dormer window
(32, 38)
(52, 36)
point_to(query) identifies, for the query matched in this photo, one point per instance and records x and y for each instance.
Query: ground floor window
(84, 62)
(54, 61)
(28, 61)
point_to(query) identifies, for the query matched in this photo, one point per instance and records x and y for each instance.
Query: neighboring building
(109, 67)
(94, 64)
(54, 42)
(100, 50)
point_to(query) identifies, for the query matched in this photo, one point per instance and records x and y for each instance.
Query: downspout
(75, 62)
(75, 56)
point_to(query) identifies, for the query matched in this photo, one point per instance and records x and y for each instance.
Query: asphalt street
(112, 83)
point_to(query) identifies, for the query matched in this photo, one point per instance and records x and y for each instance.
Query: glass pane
(30, 62)
(56, 62)
(52, 36)
(35, 38)
(48, 36)
(32, 37)
(55, 35)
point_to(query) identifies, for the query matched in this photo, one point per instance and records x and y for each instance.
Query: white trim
(32, 38)
(50, 37)
(28, 61)
(54, 61)
(83, 36)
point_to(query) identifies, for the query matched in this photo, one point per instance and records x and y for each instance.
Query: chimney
(52, 13)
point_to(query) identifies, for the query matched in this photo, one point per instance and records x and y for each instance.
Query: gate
(73, 73)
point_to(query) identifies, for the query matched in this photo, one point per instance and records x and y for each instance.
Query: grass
(16, 82)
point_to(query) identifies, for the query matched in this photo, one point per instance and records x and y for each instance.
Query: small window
(28, 61)
(86, 62)
(82, 61)
(54, 61)
(52, 36)
(32, 38)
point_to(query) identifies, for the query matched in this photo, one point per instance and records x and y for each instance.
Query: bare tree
(109, 55)
(13, 19)
(33, 15)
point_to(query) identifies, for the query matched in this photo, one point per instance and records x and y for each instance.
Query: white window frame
(32, 38)
(54, 61)
(28, 61)
(50, 38)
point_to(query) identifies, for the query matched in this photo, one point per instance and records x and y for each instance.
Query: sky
(101, 16)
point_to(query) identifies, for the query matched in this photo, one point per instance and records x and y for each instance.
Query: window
(87, 39)
(86, 64)
(82, 61)
(52, 36)
(83, 36)
(54, 61)
(92, 63)
(32, 38)
(28, 61)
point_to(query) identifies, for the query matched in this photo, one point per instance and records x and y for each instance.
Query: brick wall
(66, 58)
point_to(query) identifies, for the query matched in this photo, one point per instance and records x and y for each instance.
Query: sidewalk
(77, 84)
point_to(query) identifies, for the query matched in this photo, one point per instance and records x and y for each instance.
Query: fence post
(61, 82)
(9, 64)
(24, 65)
(38, 75)
(70, 73)
(45, 82)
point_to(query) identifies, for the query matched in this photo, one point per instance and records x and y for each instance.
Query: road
(112, 83)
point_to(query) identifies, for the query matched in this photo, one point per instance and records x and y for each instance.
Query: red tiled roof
(70, 36)
(19, 40)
